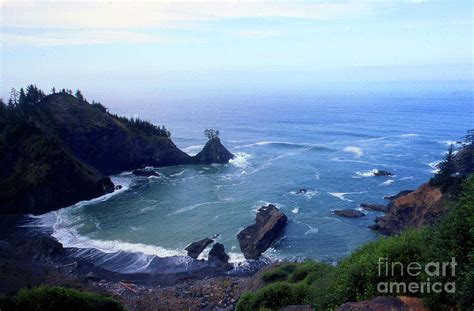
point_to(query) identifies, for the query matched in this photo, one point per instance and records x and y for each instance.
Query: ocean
(329, 144)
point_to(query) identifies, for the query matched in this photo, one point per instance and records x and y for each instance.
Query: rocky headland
(58, 149)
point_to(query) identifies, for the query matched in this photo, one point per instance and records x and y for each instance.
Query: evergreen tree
(14, 96)
(447, 168)
(53, 90)
(79, 95)
(22, 98)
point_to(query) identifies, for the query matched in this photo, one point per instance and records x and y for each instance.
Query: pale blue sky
(143, 49)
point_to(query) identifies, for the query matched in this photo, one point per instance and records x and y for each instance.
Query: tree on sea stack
(211, 133)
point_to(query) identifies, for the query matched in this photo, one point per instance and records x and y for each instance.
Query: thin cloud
(80, 38)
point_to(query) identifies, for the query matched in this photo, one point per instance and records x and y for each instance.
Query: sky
(130, 49)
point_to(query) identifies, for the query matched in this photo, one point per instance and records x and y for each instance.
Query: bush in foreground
(46, 298)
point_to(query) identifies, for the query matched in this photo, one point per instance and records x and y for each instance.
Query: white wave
(410, 135)
(240, 160)
(388, 182)
(407, 178)
(193, 150)
(308, 194)
(191, 207)
(311, 229)
(370, 173)
(358, 161)
(178, 174)
(134, 228)
(146, 209)
(434, 166)
(450, 142)
(356, 151)
(342, 195)
(295, 210)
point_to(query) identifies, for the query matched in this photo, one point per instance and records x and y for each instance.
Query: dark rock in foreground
(349, 213)
(257, 238)
(218, 256)
(213, 152)
(145, 173)
(195, 249)
(379, 173)
(374, 207)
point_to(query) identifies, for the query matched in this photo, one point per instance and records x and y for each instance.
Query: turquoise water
(329, 145)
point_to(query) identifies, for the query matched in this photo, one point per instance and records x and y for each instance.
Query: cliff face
(413, 210)
(38, 175)
(106, 142)
(427, 203)
(213, 152)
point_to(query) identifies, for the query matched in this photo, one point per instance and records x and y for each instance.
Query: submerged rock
(145, 173)
(257, 238)
(302, 191)
(349, 213)
(118, 187)
(195, 249)
(374, 207)
(213, 152)
(382, 173)
(218, 256)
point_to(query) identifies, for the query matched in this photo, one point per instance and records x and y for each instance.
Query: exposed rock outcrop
(195, 249)
(374, 207)
(415, 209)
(379, 173)
(213, 152)
(349, 213)
(219, 257)
(257, 238)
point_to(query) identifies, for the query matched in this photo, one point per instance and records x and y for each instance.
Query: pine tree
(447, 168)
(79, 95)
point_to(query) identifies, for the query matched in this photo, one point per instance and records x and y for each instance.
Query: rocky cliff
(56, 150)
(425, 205)
(413, 210)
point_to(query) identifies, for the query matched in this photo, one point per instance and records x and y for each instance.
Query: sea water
(330, 145)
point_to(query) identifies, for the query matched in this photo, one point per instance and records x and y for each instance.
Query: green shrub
(58, 298)
(275, 276)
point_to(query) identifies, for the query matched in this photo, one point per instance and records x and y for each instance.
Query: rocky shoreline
(30, 258)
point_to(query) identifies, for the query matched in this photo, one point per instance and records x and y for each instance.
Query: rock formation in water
(257, 238)
(379, 173)
(58, 149)
(213, 152)
(195, 249)
(349, 213)
(218, 257)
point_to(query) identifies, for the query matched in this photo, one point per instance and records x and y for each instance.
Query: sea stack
(213, 152)
(257, 238)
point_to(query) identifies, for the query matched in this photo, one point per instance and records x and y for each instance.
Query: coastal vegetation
(57, 298)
